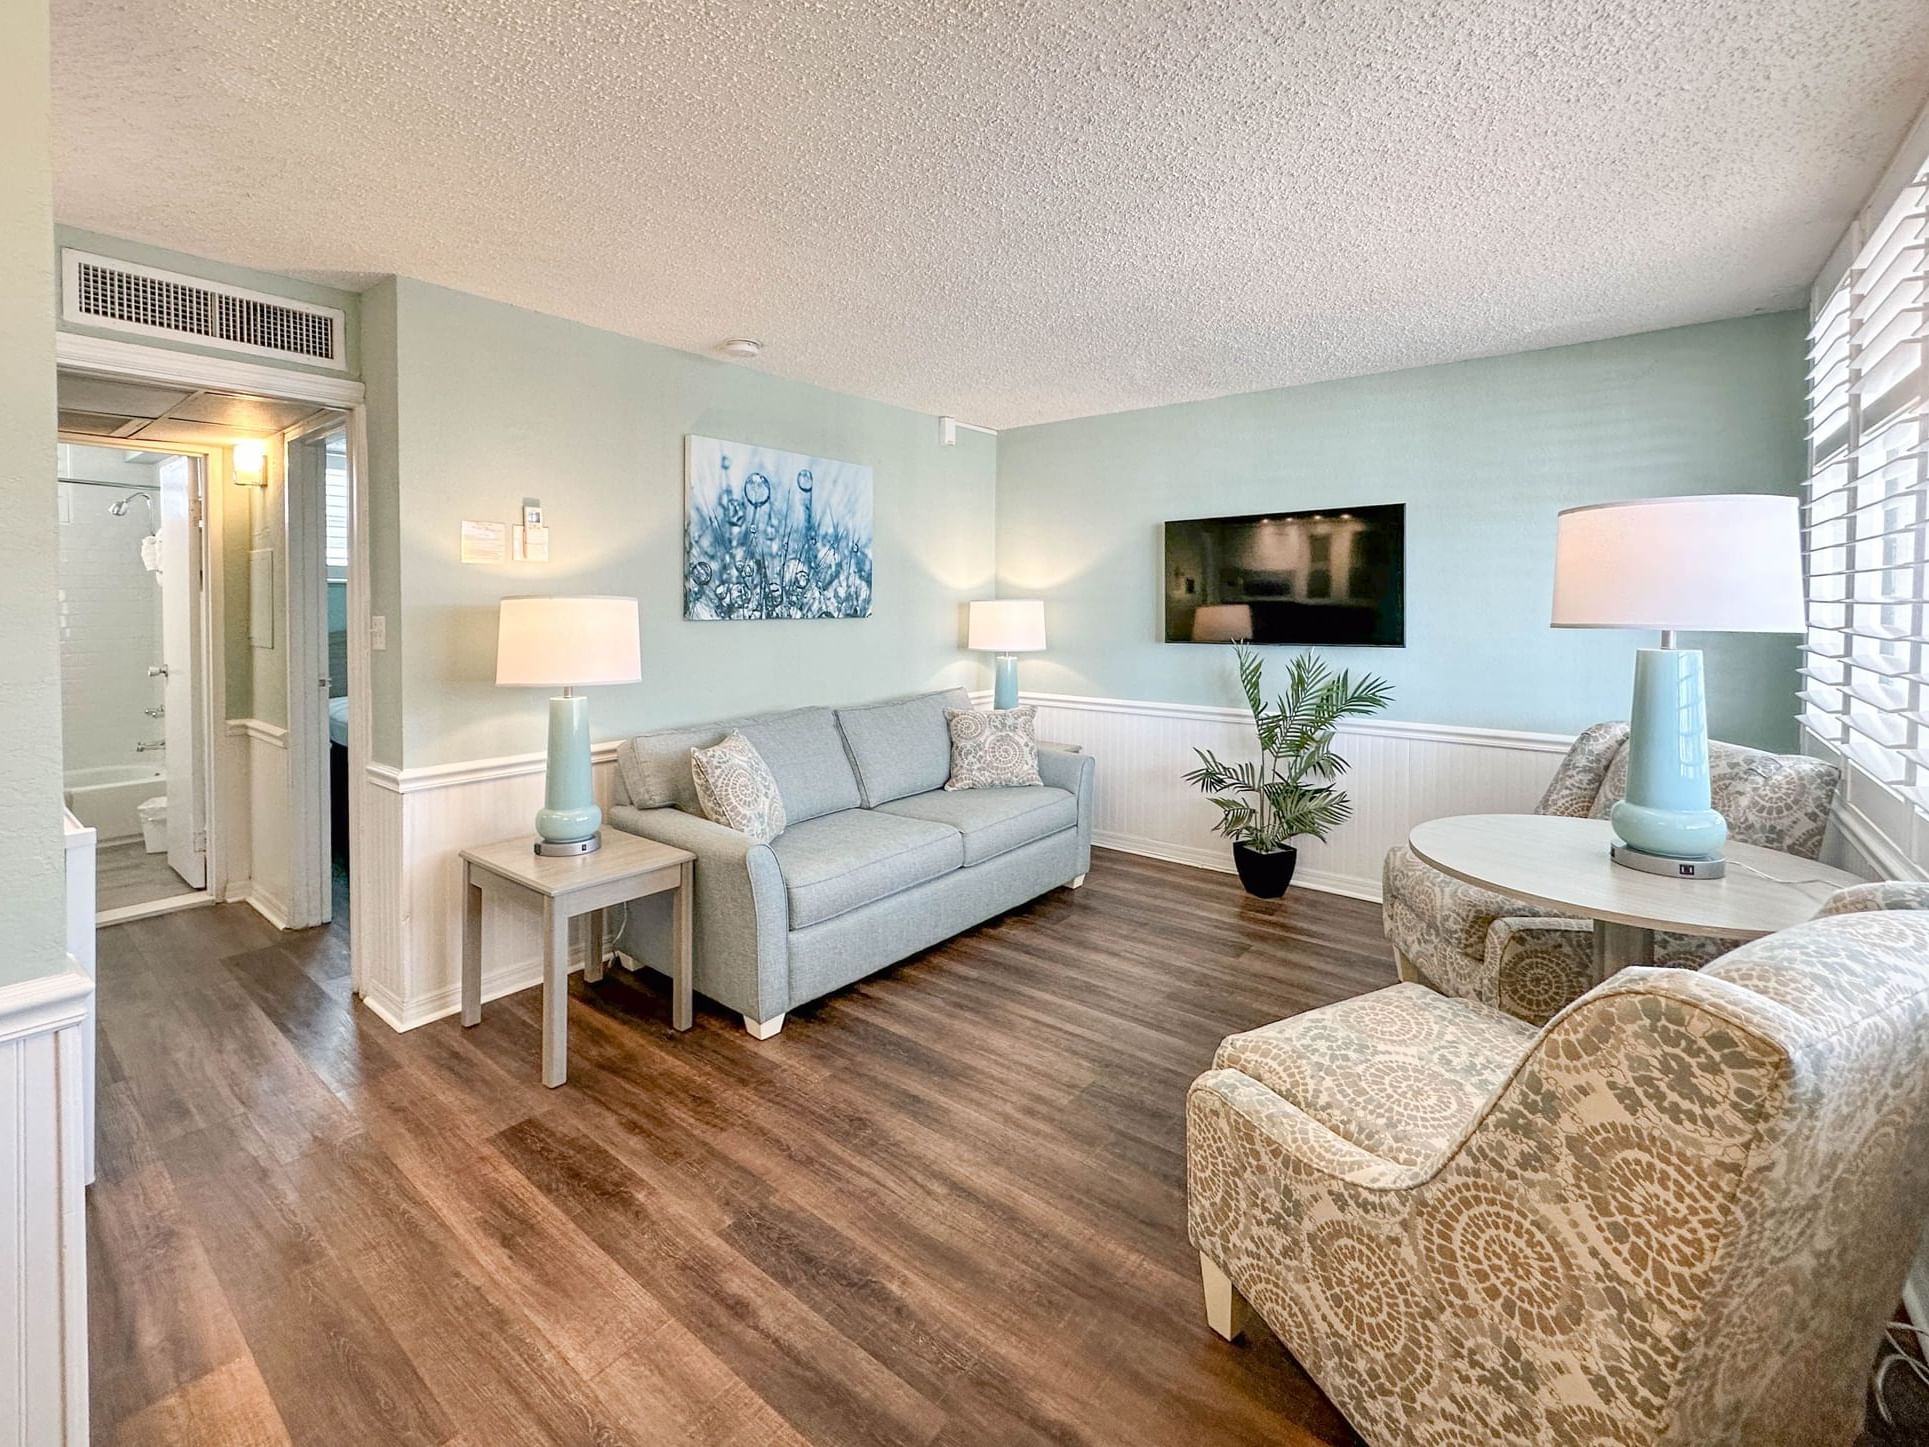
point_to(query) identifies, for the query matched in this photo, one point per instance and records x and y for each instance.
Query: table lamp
(1724, 563)
(1007, 628)
(567, 643)
(1223, 623)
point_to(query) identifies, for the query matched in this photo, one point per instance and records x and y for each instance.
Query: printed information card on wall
(485, 542)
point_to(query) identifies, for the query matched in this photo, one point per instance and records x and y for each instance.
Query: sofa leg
(1225, 1308)
(1076, 883)
(763, 1029)
(1405, 968)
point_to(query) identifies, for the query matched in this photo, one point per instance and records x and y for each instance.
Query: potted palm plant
(1289, 790)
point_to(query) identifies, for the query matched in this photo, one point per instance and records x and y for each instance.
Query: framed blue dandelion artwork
(772, 534)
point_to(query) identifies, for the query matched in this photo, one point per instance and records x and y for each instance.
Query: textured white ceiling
(1010, 211)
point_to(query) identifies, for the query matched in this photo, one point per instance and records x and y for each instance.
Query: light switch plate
(378, 633)
(530, 544)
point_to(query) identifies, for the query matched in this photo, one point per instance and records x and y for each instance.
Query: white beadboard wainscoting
(43, 1165)
(1402, 774)
(416, 824)
(257, 818)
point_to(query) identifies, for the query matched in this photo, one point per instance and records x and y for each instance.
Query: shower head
(119, 509)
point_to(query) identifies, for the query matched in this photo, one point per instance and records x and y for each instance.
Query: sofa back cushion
(805, 754)
(802, 749)
(901, 746)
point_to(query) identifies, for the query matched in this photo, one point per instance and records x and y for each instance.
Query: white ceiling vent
(99, 291)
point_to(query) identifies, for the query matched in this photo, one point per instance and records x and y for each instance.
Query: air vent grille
(103, 292)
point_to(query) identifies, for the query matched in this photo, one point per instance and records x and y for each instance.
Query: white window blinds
(1866, 670)
(335, 508)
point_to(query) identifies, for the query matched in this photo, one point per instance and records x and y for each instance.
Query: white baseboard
(260, 901)
(1220, 862)
(438, 1004)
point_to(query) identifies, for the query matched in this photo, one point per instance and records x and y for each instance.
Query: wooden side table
(625, 868)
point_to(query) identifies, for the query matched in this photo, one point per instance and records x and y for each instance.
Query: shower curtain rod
(123, 486)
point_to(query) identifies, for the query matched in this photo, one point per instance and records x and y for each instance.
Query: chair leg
(1405, 967)
(1225, 1308)
(763, 1029)
(1076, 883)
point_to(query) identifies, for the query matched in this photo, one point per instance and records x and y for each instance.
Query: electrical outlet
(378, 633)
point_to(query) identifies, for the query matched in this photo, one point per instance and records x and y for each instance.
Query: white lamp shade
(1223, 623)
(1724, 563)
(566, 642)
(1010, 625)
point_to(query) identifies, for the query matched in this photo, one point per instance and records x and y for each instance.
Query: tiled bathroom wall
(110, 629)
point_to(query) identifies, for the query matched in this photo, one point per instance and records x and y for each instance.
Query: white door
(310, 872)
(187, 764)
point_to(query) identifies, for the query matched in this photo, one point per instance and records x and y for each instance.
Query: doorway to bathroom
(133, 652)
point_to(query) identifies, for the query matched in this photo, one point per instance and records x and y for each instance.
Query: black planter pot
(1265, 875)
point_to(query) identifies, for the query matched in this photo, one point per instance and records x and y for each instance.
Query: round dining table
(1563, 863)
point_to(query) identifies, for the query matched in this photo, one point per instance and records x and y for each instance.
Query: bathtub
(105, 798)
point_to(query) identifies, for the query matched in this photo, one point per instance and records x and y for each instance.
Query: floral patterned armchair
(1528, 960)
(1678, 1213)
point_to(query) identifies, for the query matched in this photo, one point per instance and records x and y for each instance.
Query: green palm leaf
(1288, 791)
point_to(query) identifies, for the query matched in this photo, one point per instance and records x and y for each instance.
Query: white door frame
(136, 361)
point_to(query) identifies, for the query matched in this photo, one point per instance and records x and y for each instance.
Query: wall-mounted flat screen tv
(1334, 578)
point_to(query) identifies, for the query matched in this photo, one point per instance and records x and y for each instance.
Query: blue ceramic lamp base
(1005, 691)
(569, 821)
(1667, 820)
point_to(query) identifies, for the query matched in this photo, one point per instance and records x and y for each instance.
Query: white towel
(151, 553)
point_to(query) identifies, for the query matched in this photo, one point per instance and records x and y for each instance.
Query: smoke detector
(742, 348)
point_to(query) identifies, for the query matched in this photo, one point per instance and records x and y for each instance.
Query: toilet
(153, 814)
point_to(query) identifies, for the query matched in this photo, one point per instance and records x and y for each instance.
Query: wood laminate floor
(127, 874)
(942, 1207)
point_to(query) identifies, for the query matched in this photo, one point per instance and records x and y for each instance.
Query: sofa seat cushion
(1400, 1072)
(992, 821)
(840, 862)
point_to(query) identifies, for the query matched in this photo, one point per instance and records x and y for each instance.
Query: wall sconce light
(251, 464)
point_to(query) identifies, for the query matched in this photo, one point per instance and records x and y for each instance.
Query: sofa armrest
(741, 916)
(1224, 1101)
(1539, 966)
(1075, 773)
(1440, 924)
(1877, 895)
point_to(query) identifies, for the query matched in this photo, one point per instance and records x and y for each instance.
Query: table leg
(593, 959)
(683, 964)
(1616, 946)
(471, 946)
(555, 994)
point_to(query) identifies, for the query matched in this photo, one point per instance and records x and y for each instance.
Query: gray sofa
(877, 860)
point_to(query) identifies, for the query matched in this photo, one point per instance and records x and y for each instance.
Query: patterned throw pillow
(993, 749)
(735, 788)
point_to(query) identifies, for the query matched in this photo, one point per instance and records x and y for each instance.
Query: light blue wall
(32, 921)
(494, 404)
(1484, 453)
